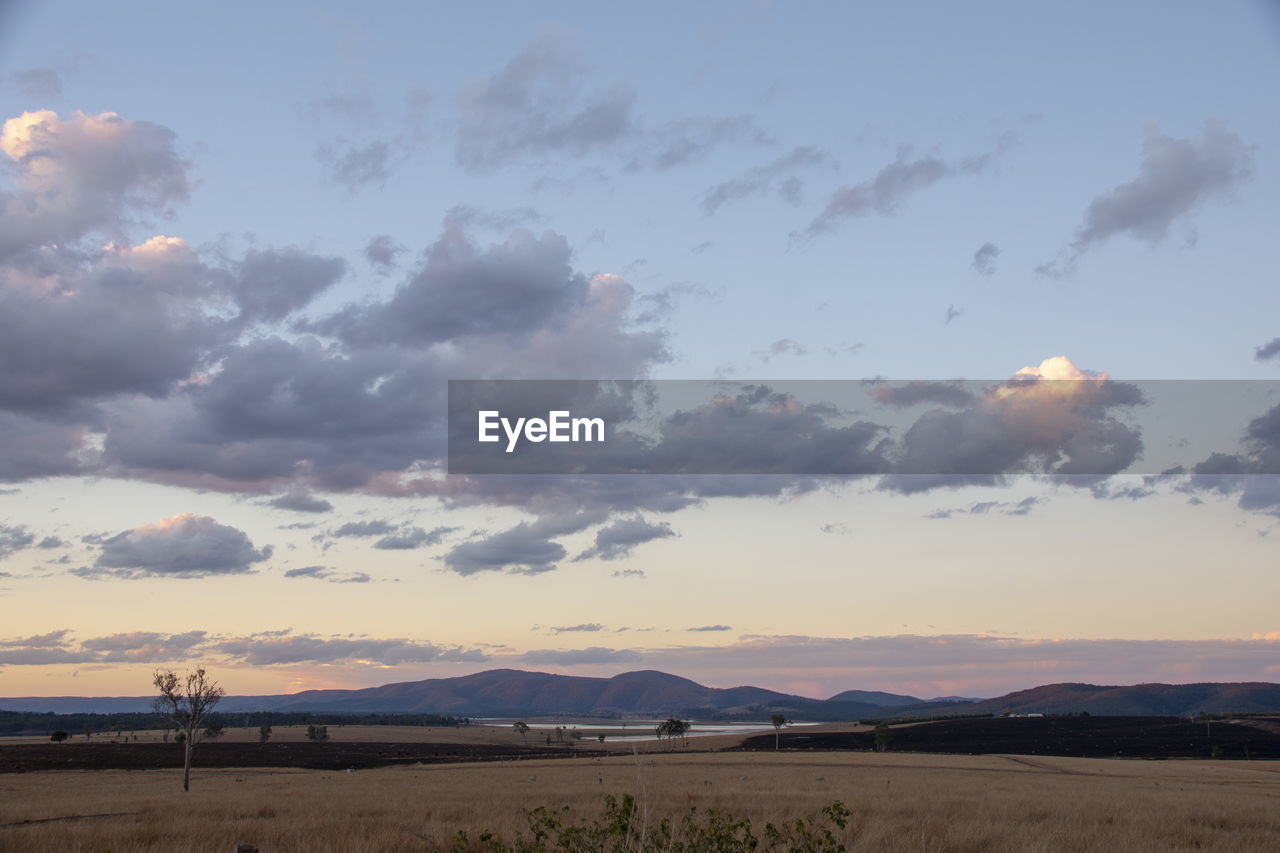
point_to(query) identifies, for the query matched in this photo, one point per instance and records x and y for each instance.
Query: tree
(884, 735)
(778, 721)
(59, 736)
(671, 728)
(522, 729)
(317, 733)
(264, 733)
(213, 730)
(187, 703)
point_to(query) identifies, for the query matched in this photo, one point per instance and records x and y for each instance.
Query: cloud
(918, 392)
(952, 314)
(1053, 418)
(308, 648)
(355, 167)
(1176, 177)
(782, 346)
(586, 626)
(536, 105)
(84, 174)
(892, 186)
(185, 545)
(38, 82)
(1253, 471)
(984, 260)
(376, 527)
(301, 501)
(776, 178)
(381, 251)
(690, 139)
(143, 646)
(572, 657)
(14, 539)
(521, 549)
(1269, 350)
(617, 540)
(414, 537)
(273, 283)
(711, 628)
(327, 574)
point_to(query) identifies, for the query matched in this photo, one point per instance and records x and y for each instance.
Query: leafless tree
(187, 703)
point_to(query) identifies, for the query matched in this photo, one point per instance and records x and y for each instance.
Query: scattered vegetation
(625, 829)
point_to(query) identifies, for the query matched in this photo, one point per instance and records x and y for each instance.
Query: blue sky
(243, 249)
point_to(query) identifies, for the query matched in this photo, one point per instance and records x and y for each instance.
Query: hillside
(516, 693)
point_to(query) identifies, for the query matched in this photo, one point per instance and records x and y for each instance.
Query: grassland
(900, 802)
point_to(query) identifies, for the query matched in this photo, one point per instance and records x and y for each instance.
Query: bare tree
(522, 729)
(188, 705)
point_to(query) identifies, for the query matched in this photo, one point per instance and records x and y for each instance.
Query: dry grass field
(900, 802)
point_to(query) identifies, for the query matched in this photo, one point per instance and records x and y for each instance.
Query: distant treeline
(32, 722)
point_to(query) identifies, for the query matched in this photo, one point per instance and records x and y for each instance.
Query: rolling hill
(516, 693)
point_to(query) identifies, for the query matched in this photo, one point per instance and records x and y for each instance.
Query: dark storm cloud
(984, 260)
(617, 540)
(536, 105)
(774, 178)
(892, 185)
(301, 501)
(1176, 177)
(182, 546)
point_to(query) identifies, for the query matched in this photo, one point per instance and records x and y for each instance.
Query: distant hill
(1137, 700)
(884, 700)
(516, 693)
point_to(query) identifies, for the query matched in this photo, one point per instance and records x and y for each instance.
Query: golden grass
(900, 802)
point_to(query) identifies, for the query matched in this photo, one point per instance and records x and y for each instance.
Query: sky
(243, 250)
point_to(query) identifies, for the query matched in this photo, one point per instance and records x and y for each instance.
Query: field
(899, 801)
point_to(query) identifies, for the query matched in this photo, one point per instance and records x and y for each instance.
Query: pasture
(899, 802)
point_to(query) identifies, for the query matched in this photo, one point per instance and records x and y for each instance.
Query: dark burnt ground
(332, 755)
(1091, 737)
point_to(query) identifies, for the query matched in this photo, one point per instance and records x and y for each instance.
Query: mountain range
(516, 693)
